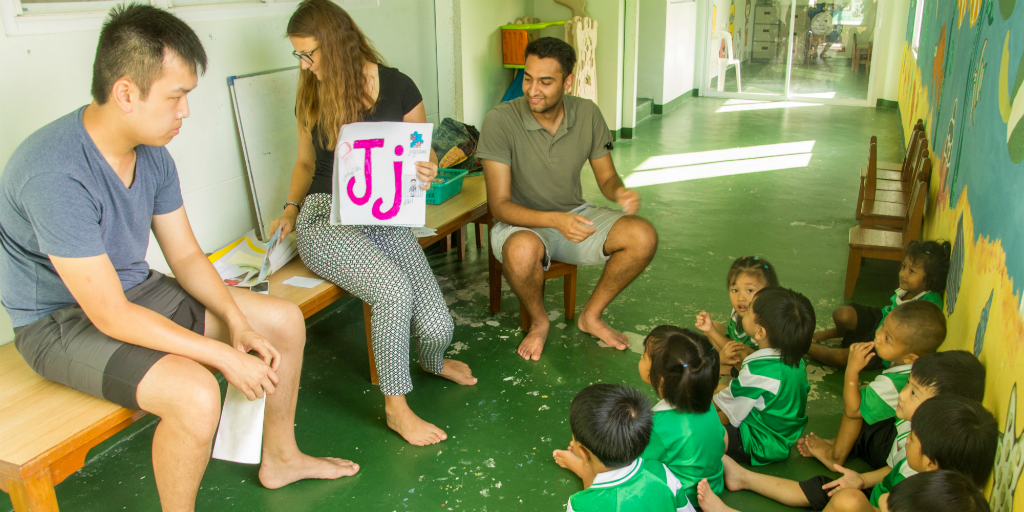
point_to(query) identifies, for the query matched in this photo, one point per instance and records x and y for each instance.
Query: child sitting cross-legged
(912, 330)
(682, 367)
(934, 491)
(764, 408)
(611, 426)
(948, 432)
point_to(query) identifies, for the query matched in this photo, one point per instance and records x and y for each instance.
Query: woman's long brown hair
(341, 96)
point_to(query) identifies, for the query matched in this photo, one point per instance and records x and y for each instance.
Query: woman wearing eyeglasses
(342, 79)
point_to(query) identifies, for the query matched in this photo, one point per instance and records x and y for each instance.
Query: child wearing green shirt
(935, 490)
(687, 436)
(764, 408)
(747, 275)
(611, 426)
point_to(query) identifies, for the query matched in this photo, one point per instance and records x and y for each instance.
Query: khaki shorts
(557, 247)
(66, 347)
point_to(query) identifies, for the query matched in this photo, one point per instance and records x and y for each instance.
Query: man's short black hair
(958, 434)
(936, 490)
(133, 42)
(554, 48)
(954, 372)
(788, 317)
(612, 421)
(923, 326)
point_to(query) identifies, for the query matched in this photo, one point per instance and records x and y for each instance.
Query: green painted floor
(830, 77)
(502, 431)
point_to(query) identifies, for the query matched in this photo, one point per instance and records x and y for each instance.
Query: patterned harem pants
(385, 267)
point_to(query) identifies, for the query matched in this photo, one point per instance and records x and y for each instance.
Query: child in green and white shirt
(764, 408)
(747, 276)
(611, 426)
(682, 367)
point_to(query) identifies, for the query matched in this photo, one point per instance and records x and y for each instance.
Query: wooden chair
(557, 269)
(897, 166)
(872, 195)
(887, 244)
(902, 172)
(861, 54)
(893, 215)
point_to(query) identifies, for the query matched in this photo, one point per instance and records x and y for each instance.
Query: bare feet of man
(457, 372)
(276, 472)
(411, 427)
(533, 344)
(821, 449)
(595, 326)
(708, 500)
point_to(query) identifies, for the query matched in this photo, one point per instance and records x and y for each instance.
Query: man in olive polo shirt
(533, 150)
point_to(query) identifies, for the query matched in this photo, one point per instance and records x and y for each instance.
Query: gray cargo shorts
(557, 247)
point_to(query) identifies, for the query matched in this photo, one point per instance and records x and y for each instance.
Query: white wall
(47, 76)
(651, 59)
(484, 80)
(890, 34)
(680, 55)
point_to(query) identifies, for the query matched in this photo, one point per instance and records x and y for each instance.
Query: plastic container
(514, 39)
(441, 192)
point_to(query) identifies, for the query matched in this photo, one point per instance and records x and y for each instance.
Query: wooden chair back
(915, 209)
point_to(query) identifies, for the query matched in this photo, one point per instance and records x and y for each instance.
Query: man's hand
(426, 172)
(860, 355)
(574, 227)
(704, 322)
(253, 375)
(850, 480)
(629, 200)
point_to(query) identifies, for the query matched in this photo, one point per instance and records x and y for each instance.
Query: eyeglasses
(306, 57)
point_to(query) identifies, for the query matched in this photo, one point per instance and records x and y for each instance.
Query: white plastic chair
(725, 62)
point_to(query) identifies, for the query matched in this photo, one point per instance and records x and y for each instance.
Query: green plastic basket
(441, 192)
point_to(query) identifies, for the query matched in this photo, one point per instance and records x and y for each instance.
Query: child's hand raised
(850, 480)
(704, 322)
(860, 355)
(732, 353)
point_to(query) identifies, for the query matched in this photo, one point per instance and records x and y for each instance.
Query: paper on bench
(303, 282)
(240, 435)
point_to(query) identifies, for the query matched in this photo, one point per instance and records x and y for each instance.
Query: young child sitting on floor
(954, 372)
(746, 276)
(934, 491)
(611, 425)
(922, 277)
(948, 432)
(682, 367)
(763, 409)
(913, 330)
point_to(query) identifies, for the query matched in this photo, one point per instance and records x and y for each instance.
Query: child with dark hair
(934, 491)
(747, 276)
(913, 330)
(922, 277)
(763, 409)
(611, 425)
(682, 367)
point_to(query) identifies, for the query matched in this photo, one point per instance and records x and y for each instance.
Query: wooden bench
(46, 429)
(879, 184)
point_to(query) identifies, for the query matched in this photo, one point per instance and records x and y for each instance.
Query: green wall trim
(661, 109)
(626, 133)
(887, 104)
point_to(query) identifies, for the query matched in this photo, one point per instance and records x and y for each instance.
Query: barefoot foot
(595, 326)
(733, 474)
(820, 449)
(708, 500)
(533, 344)
(457, 372)
(276, 473)
(411, 427)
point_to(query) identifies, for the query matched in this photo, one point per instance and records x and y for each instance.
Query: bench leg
(367, 316)
(479, 235)
(569, 293)
(445, 243)
(34, 493)
(852, 271)
(461, 242)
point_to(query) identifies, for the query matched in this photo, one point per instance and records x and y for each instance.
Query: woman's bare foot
(276, 473)
(595, 326)
(733, 474)
(411, 427)
(708, 500)
(821, 449)
(533, 344)
(457, 372)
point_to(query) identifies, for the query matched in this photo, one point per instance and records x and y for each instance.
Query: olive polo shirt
(545, 168)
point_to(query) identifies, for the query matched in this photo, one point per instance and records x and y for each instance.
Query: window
(918, 19)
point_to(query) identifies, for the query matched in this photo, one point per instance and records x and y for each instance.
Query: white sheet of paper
(424, 232)
(375, 174)
(240, 435)
(303, 282)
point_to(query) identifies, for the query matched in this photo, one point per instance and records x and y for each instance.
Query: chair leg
(367, 316)
(33, 493)
(739, 88)
(479, 235)
(852, 271)
(860, 201)
(569, 291)
(461, 242)
(494, 280)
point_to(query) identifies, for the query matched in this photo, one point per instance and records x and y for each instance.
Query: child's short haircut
(754, 266)
(954, 372)
(788, 317)
(934, 257)
(924, 326)
(958, 434)
(936, 490)
(612, 421)
(684, 367)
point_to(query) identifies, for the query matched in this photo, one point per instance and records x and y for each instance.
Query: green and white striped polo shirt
(899, 473)
(643, 486)
(691, 444)
(735, 331)
(899, 446)
(878, 400)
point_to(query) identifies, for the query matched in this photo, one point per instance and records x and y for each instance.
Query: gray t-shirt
(545, 168)
(60, 197)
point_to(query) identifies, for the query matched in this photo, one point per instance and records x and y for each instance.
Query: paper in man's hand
(240, 435)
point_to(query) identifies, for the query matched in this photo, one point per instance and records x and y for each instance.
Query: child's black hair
(954, 372)
(936, 490)
(612, 421)
(958, 434)
(788, 318)
(933, 255)
(752, 265)
(684, 367)
(923, 326)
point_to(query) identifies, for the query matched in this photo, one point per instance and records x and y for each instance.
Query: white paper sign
(375, 175)
(240, 435)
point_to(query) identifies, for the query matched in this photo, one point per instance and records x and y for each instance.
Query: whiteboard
(265, 115)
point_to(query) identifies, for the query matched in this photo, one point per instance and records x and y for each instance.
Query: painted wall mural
(969, 96)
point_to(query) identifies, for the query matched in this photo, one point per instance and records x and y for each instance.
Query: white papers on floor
(246, 262)
(303, 282)
(240, 435)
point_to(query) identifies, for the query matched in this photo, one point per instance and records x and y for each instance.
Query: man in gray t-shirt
(533, 150)
(78, 199)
